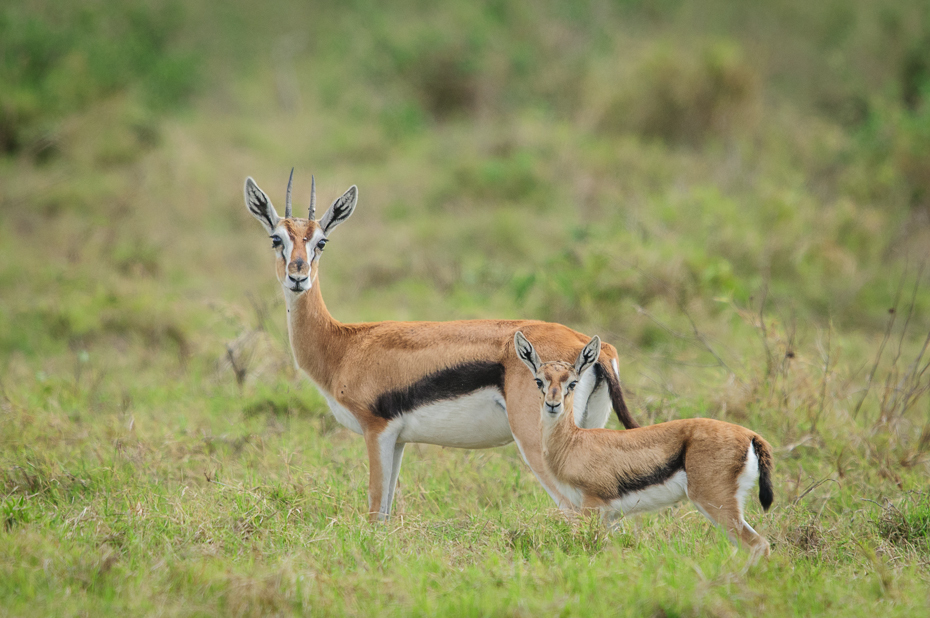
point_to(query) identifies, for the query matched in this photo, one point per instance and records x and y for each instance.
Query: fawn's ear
(527, 352)
(260, 206)
(588, 355)
(340, 210)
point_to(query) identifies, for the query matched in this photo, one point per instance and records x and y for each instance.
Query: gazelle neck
(558, 438)
(317, 339)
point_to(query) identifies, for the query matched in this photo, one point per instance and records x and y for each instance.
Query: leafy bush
(56, 61)
(907, 524)
(682, 96)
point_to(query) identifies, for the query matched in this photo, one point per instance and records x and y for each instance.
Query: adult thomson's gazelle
(455, 384)
(713, 463)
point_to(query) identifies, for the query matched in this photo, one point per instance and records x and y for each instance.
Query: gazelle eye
(320, 245)
(276, 242)
(539, 383)
(572, 386)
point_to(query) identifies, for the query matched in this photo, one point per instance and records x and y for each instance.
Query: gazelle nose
(553, 407)
(296, 279)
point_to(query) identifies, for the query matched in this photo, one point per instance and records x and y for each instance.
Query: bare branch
(826, 373)
(881, 348)
(700, 337)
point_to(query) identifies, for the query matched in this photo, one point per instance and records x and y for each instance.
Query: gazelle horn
(312, 197)
(287, 202)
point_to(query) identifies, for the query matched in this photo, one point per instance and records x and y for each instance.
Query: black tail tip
(765, 480)
(766, 496)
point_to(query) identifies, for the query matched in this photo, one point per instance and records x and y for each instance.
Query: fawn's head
(556, 380)
(297, 242)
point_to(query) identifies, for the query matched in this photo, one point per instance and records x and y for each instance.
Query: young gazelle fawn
(457, 384)
(713, 463)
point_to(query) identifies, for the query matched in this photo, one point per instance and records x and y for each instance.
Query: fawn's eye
(276, 242)
(539, 383)
(572, 386)
(320, 245)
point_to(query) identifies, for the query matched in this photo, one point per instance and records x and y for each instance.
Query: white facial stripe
(287, 247)
(281, 232)
(318, 235)
(310, 245)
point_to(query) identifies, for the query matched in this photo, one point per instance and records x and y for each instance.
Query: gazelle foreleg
(523, 415)
(395, 472)
(384, 455)
(533, 457)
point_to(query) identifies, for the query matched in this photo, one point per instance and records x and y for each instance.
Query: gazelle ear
(588, 355)
(340, 210)
(260, 206)
(527, 352)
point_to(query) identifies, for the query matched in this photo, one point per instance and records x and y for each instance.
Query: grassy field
(737, 198)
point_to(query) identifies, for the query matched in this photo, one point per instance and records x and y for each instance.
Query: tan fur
(355, 363)
(593, 461)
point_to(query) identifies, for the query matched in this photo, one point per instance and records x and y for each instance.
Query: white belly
(654, 497)
(571, 493)
(342, 414)
(476, 420)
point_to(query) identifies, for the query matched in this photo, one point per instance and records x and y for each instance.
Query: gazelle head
(556, 379)
(297, 242)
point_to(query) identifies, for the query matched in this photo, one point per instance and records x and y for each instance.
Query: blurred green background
(735, 194)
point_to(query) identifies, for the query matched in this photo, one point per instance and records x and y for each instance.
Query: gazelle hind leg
(745, 483)
(728, 515)
(758, 544)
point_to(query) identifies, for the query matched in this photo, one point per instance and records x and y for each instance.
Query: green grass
(735, 198)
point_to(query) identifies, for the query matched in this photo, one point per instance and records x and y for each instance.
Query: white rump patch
(591, 408)
(747, 478)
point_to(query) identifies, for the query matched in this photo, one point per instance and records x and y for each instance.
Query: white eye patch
(286, 244)
(312, 249)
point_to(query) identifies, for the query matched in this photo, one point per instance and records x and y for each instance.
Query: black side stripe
(628, 484)
(444, 384)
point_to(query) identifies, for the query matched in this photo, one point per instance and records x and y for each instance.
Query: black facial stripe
(657, 476)
(443, 384)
